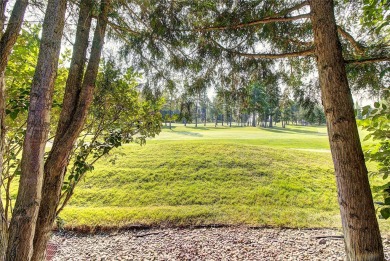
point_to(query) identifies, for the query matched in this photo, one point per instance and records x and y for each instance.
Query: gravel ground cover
(204, 244)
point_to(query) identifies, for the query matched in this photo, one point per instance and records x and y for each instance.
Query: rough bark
(7, 41)
(361, 232)
(3, 219)
(77, 100)
(22, 227)
(10, 35)
(3, 6)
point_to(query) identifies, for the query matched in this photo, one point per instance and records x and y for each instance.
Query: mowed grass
(206, 176)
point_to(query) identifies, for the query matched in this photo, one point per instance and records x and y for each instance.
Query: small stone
(322, 241)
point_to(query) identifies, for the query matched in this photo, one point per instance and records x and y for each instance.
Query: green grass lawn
(206, 175)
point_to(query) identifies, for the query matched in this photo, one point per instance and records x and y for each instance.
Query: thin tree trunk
(3, 218)
(3, 8)
(196, 115)
(10, 35)
(7, 41)
(170, 113)
(78, 101)
(361, 232)
(23, 222)
(205, 114)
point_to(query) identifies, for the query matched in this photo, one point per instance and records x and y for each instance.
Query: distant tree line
(253, 105)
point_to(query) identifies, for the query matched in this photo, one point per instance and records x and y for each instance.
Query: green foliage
(375, 14)
(377, 123)
(315, 116)
(257, 98)
(20, 72)
(118, 116)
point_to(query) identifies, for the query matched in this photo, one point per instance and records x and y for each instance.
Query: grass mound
(207, 175)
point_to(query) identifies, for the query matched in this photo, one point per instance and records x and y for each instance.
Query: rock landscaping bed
(223, 243)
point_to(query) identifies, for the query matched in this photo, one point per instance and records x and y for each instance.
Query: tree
(186, 102)
(19, 74)
(22, 226)
(257, 101)
(7, 41)
(361, 232)
(285, 105)
(77, 99)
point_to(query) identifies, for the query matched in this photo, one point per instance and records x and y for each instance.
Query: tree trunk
(22, 227)
(361, 232)
(270, 121)
(3, 8)
(170, 114)
(205, 115)
(10, 35)
(77, 99)
(7, 41)
(3, 219)
(196, 115)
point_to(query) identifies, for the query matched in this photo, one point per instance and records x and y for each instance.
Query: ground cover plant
(204, 176)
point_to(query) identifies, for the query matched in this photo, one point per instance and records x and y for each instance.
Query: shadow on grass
(188, 133)
(187, 127)
(167, 127)
(295, 130)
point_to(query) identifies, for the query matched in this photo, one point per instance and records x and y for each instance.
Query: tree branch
(356, 45)
(278, 17)
(266, 20)
(367, 60)
(307, 52)
(119, 28)
(294, 8)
